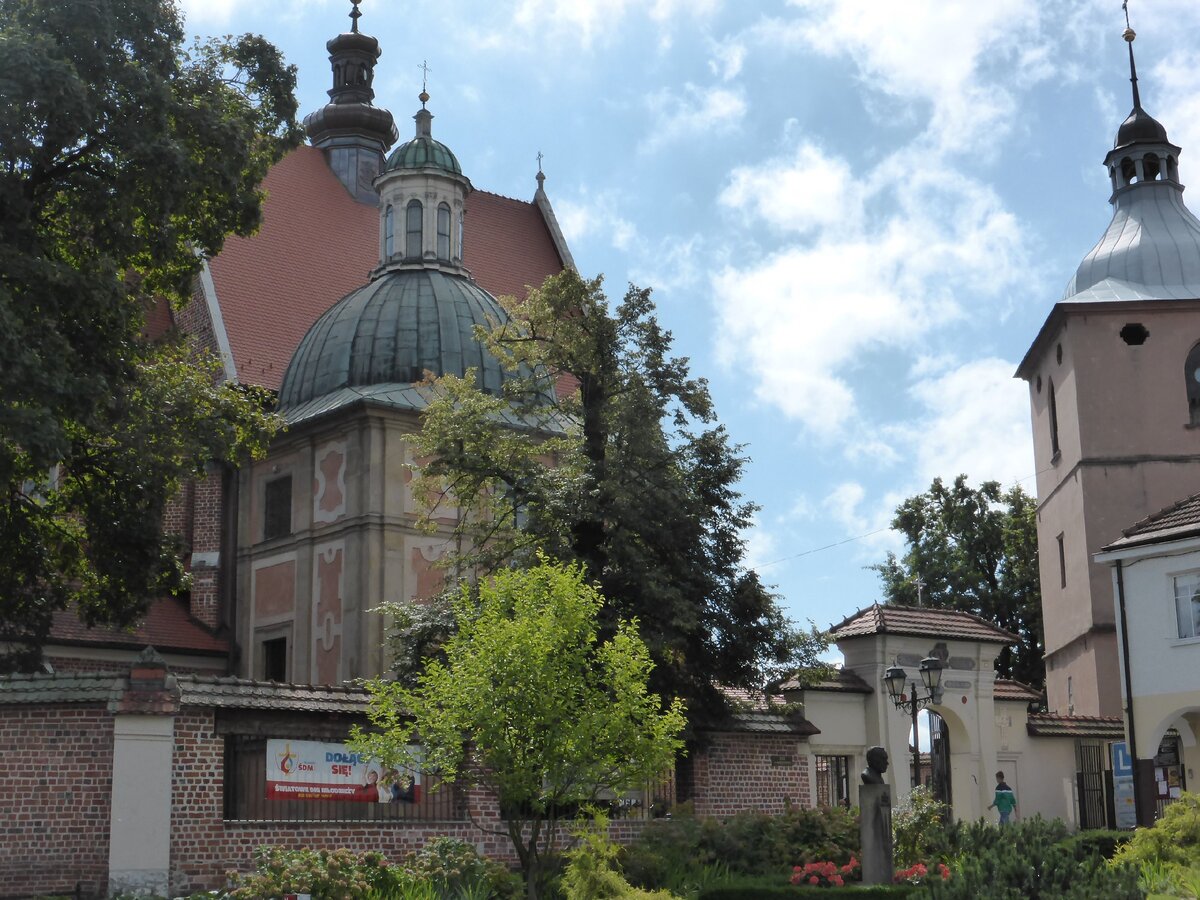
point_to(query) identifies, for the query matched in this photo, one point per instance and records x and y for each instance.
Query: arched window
(443, 233)
(389, 233)
(412, 231)
(1191, 375)
(1150, 167)
(1052, 405)
(459, 246)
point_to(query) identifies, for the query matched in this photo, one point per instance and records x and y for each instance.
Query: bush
(1030, 859)
(918, 830)
(749, 843)
(754, 888)
(1098, 840)
(591, 872)
(1174, 839)
(322, 873)
(454, 867)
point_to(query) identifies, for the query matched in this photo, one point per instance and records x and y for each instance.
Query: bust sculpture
(877, 764)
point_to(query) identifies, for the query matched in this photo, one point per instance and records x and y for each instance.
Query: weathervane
(354, 15)
(1129, 35)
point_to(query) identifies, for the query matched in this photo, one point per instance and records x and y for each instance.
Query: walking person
(1006, 800)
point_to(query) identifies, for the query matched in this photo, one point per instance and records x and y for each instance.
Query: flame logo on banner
(287, 760)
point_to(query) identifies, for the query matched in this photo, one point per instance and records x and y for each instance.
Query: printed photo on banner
(312, 770)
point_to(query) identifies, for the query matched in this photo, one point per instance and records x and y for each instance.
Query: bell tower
(1114, 390)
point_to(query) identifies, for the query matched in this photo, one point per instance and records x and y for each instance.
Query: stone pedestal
(875, 831)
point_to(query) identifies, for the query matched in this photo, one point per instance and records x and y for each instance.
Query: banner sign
(310, 770)
(1122, 769)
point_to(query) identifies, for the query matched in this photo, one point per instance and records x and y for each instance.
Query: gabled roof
(921, 621)
(317, 244)
(167, 625)
(1056, 725)
(843, 681)
(1007, 689)
(1180, 520)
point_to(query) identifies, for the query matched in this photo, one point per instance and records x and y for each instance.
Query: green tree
(975, 550)
(123, 160)
(630, 475)
(532, 705)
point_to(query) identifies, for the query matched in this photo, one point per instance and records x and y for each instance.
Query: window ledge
(1185, 642)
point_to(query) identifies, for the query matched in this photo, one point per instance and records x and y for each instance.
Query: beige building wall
(1126, 448)
(354, 544)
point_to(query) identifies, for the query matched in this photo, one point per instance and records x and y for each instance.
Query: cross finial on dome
(425, 70)
(541, 176)
(354, 15)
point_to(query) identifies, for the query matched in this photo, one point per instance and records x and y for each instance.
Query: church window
(1150, 167)
(412, 232)
(1062, 560)
(1128, 171)
(1052, 408)
(277, 508)
(443, 232)
(1191, 374)
(389, 233)
(1187, 605)
(274, 659)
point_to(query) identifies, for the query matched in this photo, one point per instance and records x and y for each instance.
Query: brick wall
(56, 772)
(737, 771)
(204, 846)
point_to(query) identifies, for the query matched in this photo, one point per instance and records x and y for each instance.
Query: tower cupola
(422, 200)
(1151, 249)
(353, 133)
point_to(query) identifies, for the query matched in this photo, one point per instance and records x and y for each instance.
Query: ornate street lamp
(931, 677)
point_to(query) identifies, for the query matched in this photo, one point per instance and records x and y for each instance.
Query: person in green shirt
(1006, 800)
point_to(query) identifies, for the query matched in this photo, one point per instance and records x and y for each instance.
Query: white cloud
(842, 503)
(960, 59)
(594, 216)
(762, 547)
(199, 13)
(696, 111)
(578, 22)
(814, 190)
(804, 321)
(975, 421)
(728, 59)
(1178, 103)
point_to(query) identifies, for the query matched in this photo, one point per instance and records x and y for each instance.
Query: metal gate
(939, 758)
(1089, 777)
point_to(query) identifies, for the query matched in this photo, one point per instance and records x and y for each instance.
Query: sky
(855, 215)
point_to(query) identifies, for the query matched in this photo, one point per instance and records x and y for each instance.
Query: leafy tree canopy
(975, 550)
(531, 704)
(123, 160)
(630, 475)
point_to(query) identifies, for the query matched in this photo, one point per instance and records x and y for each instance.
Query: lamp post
(931, 678)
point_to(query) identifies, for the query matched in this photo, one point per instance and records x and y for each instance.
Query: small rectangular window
(1062, 561)
(833, 780)
(274, 659)
(1187, 605)
(412, 230)
(277, 508)
(443, 233)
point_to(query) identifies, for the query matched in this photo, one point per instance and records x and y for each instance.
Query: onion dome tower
(1151, 249)
(353, 133)
(418, 313)
(1114, 392)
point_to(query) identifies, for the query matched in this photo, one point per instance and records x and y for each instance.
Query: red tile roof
(167, 626)
(844, 681)
(1177, 521)
(1007, 689)
(1055, 725)
(922, 621)
(317, 244)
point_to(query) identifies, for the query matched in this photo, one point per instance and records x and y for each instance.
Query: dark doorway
(939, 758)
